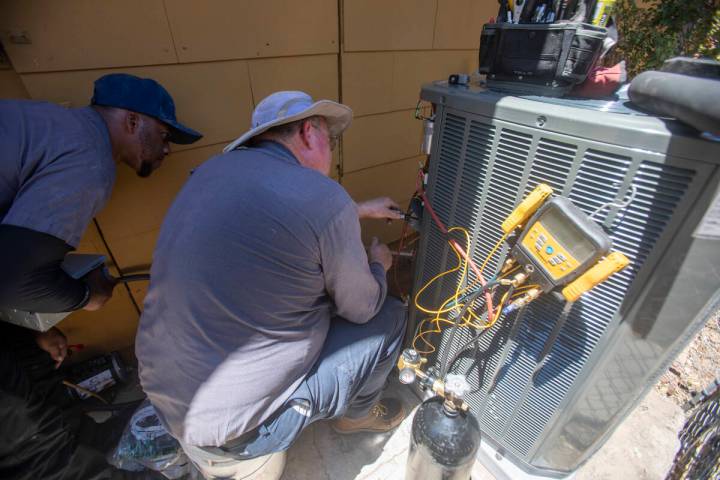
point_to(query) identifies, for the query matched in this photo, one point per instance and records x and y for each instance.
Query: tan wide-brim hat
(285, 107)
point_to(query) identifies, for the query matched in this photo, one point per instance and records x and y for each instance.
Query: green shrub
(650, 34)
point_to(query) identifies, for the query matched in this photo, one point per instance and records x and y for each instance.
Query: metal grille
(484, 169)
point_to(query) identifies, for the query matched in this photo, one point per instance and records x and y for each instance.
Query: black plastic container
(539, 58)
(96, 374)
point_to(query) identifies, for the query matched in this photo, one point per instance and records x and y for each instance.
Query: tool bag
(539, 58)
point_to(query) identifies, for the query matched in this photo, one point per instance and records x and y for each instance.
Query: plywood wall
(218, 60)
(389, 50)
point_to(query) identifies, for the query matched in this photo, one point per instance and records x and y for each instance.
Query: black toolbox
(539, 58)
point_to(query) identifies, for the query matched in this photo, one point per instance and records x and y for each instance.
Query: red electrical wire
(454, 243)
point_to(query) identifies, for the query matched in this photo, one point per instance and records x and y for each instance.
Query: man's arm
(357, 287)
(382, 207)
(31, 276)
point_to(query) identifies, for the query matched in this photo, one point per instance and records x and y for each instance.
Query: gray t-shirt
(255, 256)
(56, 167)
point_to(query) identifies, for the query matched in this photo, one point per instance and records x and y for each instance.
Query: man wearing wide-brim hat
(265, 313)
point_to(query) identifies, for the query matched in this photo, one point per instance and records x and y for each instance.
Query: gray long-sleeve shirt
(56, 167)
(254, 258)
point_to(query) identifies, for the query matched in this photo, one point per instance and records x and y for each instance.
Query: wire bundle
(465, 302)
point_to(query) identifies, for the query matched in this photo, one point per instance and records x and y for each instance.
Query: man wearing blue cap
(265, 313)
(56, 173)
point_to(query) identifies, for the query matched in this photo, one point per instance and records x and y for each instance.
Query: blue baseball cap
(142, 95)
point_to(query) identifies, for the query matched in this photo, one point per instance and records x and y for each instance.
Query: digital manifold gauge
(558, 245)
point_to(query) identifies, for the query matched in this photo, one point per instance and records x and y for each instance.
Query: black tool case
(539, 58)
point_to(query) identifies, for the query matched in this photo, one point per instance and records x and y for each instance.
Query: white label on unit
(710, 224)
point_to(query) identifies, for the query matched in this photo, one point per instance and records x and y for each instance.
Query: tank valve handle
(456, 389)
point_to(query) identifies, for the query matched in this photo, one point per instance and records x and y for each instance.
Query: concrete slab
(641, 448)
(322, 454)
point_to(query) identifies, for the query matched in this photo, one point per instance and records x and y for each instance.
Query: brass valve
(516, 281)
(529, 296)
(410, 365)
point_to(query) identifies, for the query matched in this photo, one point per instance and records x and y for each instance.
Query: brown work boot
(382, 417)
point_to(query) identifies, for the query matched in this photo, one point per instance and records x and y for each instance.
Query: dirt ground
(644, 445)
(695, 367)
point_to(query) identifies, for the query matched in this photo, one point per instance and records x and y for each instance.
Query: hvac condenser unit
(548, 395)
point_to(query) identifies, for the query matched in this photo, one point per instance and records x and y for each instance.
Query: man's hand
(53, 342)
(379, 252)
(383, 207)
(101, 287)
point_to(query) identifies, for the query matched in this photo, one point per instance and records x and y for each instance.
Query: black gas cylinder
(443, 443)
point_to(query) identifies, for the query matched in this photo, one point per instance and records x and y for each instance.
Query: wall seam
(250, 85)
(391, 162)
(172, 37)
(176, 64)
(435, 23)
(341, 48)
(117, 266)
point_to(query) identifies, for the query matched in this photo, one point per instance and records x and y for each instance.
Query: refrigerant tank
(443, 443)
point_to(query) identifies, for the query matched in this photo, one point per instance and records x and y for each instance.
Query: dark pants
(39, 436)
(347, 380)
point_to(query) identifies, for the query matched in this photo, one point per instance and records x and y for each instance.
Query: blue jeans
(347, 380)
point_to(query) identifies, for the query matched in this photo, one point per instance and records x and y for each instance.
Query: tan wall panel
(314, 75)
(227, 29)
(395, 180)
(138, 205)
(367, 80)
(110, 328)
(413, 69)
(134, 255)
(213, 98)
(385, 82)
(11, 86)
(459, 22)
(379, 139)
(388, 25)
(77, 34)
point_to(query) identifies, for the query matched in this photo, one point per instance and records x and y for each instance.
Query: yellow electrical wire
(472, 314)
(472, 320)
(461, 265)
(438, 320)
(436, 277)
(499, 310)
(492, 252)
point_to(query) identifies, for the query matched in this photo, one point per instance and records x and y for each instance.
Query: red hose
(454, 243)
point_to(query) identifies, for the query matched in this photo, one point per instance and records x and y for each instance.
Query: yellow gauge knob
(527, 207)
(595, 275)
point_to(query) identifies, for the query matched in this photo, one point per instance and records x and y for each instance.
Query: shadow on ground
(322, 454)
